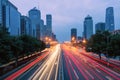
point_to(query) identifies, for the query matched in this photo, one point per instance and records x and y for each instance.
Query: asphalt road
(81, 67)
(68, 63)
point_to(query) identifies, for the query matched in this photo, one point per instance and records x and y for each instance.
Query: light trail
(50, 63)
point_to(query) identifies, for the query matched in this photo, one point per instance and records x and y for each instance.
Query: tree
(107, 47)
(16, 48)
(31, 44)
(42, 45)
(106, 43)
(115, 43)
(4, 47)
(96, 43)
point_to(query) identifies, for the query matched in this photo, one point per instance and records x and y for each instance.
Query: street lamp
(73, 38)
(84, 41)
(46, 38)
(49, 40)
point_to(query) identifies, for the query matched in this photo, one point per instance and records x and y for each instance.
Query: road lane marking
(58, 63)
(61, 72)
(76, 74)
(113, 72)
(48, 62)
(40, 68)
(90, 65)
(97, 70)
(37, 74)
(113, 75)
(28, 71)
(46, 76)
(70, 62)
(55, 63)
(89, 74)
(108, 77)
(25, 68)
(56, 53)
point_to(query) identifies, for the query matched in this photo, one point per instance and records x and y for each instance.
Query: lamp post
(72, 39)
(48, 41)
(46, 38)
(84, 43)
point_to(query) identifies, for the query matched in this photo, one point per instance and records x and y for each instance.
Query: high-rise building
(25, 26)
(73, 34)
(49, 25)
(10, 17)
(100, 27)
(109, 19)
(88, 27)
(0, 12)
(79, 38)
(42, 29)
(45, 33)
(35, 17)
(3, 4)
(54, 37)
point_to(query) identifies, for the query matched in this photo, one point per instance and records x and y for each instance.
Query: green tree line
(104, 43)
(14, 47)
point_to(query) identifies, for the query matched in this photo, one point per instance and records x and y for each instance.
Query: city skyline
(59, 40)
(70, 17)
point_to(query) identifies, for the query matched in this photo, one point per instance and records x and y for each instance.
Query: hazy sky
(69, 14)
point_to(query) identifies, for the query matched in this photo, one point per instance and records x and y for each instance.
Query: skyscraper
(0, 12)
(42, 29)
(45, 33)
(88, 27)
(10, 17)
(73, 34)
(35, 17)
(49, 25)
(3, 4)
(25, 26)
(100, 27)
(109, 19)
(54, 37)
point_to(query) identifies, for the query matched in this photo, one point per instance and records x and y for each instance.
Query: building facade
(100, 27)
(88, 27)
(73, 34)
(0, 12)
(54, 37)
(35, 17)
(10, 17)
(25, 26)
(42, 29)
(3, 4)
(49, 25)
(45, 31)
(17, 25)
(109, 20)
